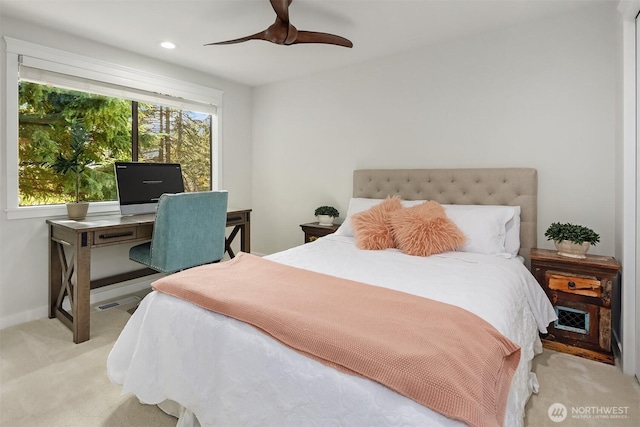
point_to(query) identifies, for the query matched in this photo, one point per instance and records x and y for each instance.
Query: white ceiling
(376, 27)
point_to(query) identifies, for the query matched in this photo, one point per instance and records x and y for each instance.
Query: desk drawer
(114, 236)
(236, 218)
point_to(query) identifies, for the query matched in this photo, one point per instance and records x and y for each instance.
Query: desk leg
(229, 240)
(245, 234)
(82, 289)
(55, 275)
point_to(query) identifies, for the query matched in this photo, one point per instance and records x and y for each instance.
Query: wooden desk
(99, 231)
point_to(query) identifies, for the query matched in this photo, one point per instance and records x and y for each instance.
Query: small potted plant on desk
(326, 214)
(75, 161)
(572, 240)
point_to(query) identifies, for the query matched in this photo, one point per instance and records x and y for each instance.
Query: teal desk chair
(189, 230)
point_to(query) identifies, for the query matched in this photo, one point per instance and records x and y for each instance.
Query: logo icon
(557, 412)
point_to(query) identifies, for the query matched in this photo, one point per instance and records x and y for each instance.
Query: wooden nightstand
(586, 296)
(313, 230)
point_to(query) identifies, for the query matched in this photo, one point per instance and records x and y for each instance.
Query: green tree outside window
(162, 134)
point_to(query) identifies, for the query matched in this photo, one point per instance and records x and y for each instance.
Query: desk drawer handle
(115, 235)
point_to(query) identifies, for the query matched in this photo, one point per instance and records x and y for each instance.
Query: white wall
(545, 94)
(540, 95)
(23, 251)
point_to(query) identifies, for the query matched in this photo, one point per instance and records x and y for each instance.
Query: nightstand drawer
(573, 284)
(313, 231)
(576, 321)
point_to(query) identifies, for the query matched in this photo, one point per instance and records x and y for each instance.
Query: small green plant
(74, 161)
(327, 210)
(573, 233)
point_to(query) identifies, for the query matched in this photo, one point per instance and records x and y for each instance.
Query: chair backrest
(189, 230)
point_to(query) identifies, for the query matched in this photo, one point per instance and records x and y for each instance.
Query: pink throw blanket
(439, 355)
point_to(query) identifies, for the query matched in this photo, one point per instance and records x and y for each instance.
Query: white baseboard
(23, 317)
(119, 289)
(97, 295)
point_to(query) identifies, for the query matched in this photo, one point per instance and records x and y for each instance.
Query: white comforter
(226, 373)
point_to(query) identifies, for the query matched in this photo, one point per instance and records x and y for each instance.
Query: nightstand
(585, 293)
(313, 230)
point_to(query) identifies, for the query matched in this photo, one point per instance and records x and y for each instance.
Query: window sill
(50, 211)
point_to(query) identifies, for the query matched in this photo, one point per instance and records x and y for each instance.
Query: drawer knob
(313, 238)
(572, 285)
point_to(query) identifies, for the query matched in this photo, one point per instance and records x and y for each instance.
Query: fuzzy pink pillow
(424, 230)
(372, 228)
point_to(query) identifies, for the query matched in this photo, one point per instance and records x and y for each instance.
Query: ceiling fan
(284, 33)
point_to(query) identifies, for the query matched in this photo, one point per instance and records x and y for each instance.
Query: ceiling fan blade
(281, 7)
(257, 36)
(282, 32)
(325, 38)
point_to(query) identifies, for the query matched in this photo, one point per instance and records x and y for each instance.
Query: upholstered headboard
(497, 186)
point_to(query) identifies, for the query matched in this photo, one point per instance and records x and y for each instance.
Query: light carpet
(47, 380)
(588, 393)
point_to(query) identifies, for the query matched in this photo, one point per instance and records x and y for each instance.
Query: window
(129, 115)
(118, 129)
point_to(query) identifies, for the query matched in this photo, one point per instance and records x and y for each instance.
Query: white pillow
(490, 229)
(356, 205)
(512, 227)
(485, 227)
(512, 241)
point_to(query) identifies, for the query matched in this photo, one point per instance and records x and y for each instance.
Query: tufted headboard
(497, 186)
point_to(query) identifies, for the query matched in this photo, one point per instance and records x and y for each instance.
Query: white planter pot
(77, 210)
(325, 220)
(572, 250)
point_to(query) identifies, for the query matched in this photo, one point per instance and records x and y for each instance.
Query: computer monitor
(140, 185)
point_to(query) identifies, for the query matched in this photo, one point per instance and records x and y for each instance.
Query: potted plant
(326, 214)
(572, 240)
(75, 161)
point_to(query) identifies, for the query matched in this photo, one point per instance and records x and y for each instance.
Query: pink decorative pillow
(372, 228)
(424, 230)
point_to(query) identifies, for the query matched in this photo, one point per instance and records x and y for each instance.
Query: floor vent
(118, 303)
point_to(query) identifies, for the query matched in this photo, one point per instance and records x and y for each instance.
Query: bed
(210, 369)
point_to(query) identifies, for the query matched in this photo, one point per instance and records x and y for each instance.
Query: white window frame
(82, 67)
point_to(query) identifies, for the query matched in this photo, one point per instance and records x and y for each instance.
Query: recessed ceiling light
(168, 45)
